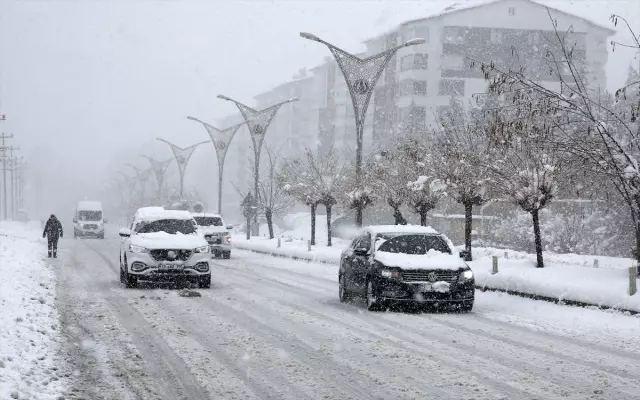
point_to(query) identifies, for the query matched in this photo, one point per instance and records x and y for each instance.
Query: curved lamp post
(159, 169)
(258, 123)
(221, 139)
(182, 156)
(361, 75)
(143, 177)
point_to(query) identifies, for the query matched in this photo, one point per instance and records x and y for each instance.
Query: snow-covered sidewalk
(566, 277)
(29, 325)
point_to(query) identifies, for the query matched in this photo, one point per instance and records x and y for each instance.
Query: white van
(89, 220)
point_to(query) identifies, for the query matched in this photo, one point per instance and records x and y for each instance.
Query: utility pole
(4, 149)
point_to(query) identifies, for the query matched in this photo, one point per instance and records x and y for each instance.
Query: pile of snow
(29, 325)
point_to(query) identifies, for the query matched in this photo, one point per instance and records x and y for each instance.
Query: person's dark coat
(53, 228)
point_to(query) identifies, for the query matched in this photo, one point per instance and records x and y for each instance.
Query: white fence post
(506, 254)
(494, 266)
(633, 276)
(596, 263)
(279, 242)
(308, 245)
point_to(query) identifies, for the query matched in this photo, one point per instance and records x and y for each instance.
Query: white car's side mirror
(124, 232)
(229, 227)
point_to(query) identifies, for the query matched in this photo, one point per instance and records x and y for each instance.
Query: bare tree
(464, 156)
(424, 195)
(390, 181)
(594, 129)
(273, 198)
(320, 180)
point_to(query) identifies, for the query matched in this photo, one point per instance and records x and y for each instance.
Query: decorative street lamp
(130, 183)
(221, 139)
(159, 169)
(143, 177)
(182, 156)
(361, 75)
(258, 123)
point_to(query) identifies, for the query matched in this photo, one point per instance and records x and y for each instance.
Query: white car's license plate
(170, 266)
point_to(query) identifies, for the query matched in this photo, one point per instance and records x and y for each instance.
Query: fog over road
(273, 328)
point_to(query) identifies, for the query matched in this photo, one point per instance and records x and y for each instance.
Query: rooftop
(411, 11)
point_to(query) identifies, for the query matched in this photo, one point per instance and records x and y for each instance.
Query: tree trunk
(468, 221)
(313, 224)
(329, 225)
(397, 216)
(423, 217)
(269, 216)
(359, 215)
(248, 228)
(636, 252)
(538, 239)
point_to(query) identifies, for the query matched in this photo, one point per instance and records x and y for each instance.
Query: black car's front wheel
(372, 302)
(343, 292)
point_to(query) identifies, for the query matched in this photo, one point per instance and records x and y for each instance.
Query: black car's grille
(430, 276)
(90, 226)
(171, 255)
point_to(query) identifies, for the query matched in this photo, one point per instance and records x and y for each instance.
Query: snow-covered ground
(29, 324)
(565, 276)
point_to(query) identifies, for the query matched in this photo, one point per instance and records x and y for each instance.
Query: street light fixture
(143, 177)
(159, 168)
(221, 139)
(361, 76)
(258, 123)
(182, 156)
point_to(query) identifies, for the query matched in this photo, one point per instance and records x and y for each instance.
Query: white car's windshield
(171, 226)
(89, 215)
(208, 221)
(413, 244)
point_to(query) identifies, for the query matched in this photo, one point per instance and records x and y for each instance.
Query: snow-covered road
(272, 328)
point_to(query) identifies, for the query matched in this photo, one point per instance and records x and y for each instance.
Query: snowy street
(272, 328)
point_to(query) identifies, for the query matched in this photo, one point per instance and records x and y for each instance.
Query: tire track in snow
(525, 367)
(169, 370)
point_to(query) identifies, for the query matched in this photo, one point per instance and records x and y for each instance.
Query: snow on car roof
(376, 229)
(89, 206)
(204, 214)
(157, 213)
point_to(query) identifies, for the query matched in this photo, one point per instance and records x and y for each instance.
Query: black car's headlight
(465, 275)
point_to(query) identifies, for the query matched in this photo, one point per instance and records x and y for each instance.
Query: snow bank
(566, 277)
(29, 323)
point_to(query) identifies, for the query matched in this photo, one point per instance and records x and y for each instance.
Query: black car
(405, 264)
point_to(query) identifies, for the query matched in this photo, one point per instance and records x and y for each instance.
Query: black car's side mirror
(75, 220)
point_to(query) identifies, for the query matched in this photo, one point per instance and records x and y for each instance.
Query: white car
(163, 246)
(217, 234)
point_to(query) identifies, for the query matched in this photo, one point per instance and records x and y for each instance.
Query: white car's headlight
(137, 249)
(465, 275)
(203, 249)
(227, 239)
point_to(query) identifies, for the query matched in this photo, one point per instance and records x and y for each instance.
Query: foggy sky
(89, 84)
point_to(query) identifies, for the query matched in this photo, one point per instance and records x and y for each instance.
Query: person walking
(53, 232)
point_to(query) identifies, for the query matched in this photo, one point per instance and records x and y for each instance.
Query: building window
(453, 62)
(409, 87)
(414, 62)
(453, 34)
(421, 32)
(450, 87)
(534, 37)
(512, 11)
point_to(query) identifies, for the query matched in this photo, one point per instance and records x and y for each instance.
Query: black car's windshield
(208, 221)
(89, 215)
(171, 226)
(412, 244)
